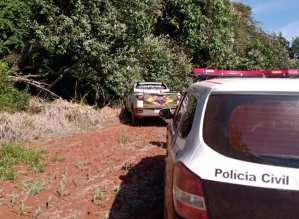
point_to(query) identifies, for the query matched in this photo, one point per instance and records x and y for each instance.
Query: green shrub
(11, 99)
(12, 154)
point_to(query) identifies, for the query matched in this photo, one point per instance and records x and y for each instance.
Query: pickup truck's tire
(134, 119)
(125, 112)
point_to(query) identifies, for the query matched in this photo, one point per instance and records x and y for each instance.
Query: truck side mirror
(165, 113)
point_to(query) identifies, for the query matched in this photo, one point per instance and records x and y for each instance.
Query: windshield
(254, 128)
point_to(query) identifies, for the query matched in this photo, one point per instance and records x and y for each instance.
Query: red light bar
(200, 74)
(216, 72)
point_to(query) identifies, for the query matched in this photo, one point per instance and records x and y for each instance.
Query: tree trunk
(64, 72)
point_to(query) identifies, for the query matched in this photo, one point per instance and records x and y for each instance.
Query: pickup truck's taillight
(139, 97)
(178, 97)
(188, 193)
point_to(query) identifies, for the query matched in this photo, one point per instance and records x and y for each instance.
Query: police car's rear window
(255, 128)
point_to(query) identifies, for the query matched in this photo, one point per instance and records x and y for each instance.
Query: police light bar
(241, 73)
(200, 74)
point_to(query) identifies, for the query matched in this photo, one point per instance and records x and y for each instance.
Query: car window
(255, 128)
(188, 116)
(179, 112)
(184, 115)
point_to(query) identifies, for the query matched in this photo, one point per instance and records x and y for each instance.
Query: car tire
(125, 111)
(133, 117)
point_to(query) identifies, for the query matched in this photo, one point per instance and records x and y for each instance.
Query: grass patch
(12, 154)
(124, 139)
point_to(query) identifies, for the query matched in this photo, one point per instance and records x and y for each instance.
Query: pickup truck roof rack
(200, 74)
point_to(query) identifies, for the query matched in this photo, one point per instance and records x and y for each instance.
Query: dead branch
(38, 84)
(64, 72)
(47, 67)
(28, 76)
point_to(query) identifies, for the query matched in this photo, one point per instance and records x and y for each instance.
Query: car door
(171, 145)
(182, 123)
(178, 130)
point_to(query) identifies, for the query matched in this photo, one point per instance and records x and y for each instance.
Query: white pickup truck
(146, 99)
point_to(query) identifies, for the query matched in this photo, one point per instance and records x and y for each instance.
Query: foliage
(124, 139)
(98, 50)
(273, 53)
(244, 27)
(252, 47)
(95, 50)
(149, 59)
(294, 48)
(240, 53)
(11, 99)
(14, 28)
(202, 27)
(12, 154)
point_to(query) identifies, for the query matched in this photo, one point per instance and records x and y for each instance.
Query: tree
(94, 50)
(150, 59)
(201, 27)
(90, 49)
(294, 48)
(11, 99)
(252, 47)
(14, 17)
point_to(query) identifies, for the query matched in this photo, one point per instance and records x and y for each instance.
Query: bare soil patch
(112, 172)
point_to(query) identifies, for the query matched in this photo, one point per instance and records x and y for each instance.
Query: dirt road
(114, 172)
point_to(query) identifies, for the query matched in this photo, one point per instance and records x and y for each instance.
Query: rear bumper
(149, 112)
(233, 201)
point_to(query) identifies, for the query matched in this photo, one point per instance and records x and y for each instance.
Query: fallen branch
(38, 84)
(64, 71)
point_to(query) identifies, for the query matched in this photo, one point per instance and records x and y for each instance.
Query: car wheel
(125, 111)
(134, 119)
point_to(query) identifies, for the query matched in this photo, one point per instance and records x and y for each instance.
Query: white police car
(233, 147)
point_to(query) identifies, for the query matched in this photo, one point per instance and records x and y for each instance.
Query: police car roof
(251, 84)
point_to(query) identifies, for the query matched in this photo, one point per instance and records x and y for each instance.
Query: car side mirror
(165, 113)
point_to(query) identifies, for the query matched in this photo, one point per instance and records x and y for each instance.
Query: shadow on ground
(159, 144)
(125, 118)
(140, 195)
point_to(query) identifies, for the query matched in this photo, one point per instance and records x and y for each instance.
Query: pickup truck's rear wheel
(125, 111)
(134, 119)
